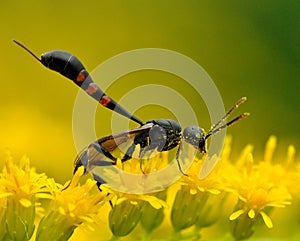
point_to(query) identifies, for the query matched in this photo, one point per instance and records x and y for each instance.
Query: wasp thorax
(195, 136)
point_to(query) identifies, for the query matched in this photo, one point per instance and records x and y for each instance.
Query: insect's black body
(160, 135)
(163, 135)
(66, 64)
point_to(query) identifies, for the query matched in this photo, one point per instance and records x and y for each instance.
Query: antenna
(28, 50)
(215, 127)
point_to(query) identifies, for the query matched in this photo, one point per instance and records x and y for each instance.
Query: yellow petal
(71, 206)
(227, 148)
(25, 202)
(193, 191)
(267, 220)
(6, 194)
(279, 205)
(251, 214)
(75, 179)
(120, 200)
(242, 158)
(134, 202)
(236, 214)
(214, 191)
(44, 195)
(249, 163)
(270, 147)
(86, 219)
(62, 211)
(154, 201)
(290, 155)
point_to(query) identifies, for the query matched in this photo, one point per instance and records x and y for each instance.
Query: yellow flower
(153, 216)
(22, 181)
(192, 203)
(20, 188)
(2, 214)
(128, 208)
(129, 200)
(258, 187)
(70, 207)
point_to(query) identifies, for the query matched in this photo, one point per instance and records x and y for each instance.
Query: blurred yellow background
(249, 48)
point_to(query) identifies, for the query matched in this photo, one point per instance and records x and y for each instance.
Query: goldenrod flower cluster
(238, 200)
(22, 203)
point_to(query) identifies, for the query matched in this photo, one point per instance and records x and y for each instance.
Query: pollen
(259, 197)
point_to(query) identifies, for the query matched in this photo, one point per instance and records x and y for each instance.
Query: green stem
(147, 237)
(114, 238)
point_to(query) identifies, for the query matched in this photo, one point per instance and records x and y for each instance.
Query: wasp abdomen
(66, 64)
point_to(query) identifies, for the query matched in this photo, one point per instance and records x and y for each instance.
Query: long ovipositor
(70, 66)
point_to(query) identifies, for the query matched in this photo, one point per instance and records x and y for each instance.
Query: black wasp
(160, 135)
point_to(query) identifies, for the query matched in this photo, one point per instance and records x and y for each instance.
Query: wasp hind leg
(99, 187)
(178, 161)
(105, 152)
(128, 154)
(143, 151)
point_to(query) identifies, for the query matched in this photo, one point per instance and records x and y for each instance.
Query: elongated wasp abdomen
(70, 66)
(66, 64)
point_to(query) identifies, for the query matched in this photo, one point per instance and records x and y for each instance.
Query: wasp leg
(98, 185)
(177, 159)
(145, 149)
(142, 153)
(99, 181)
(128, 154)
(150, 148)
(81, 160)
(105, 152)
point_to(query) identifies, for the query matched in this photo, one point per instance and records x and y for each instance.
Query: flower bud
(19, 219)
(124, 217)
(186, 208)
(153, 217)
(242, 227)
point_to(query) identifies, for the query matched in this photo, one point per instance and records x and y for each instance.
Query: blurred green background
(249, 48)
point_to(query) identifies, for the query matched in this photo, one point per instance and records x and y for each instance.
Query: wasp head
(195, 136)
